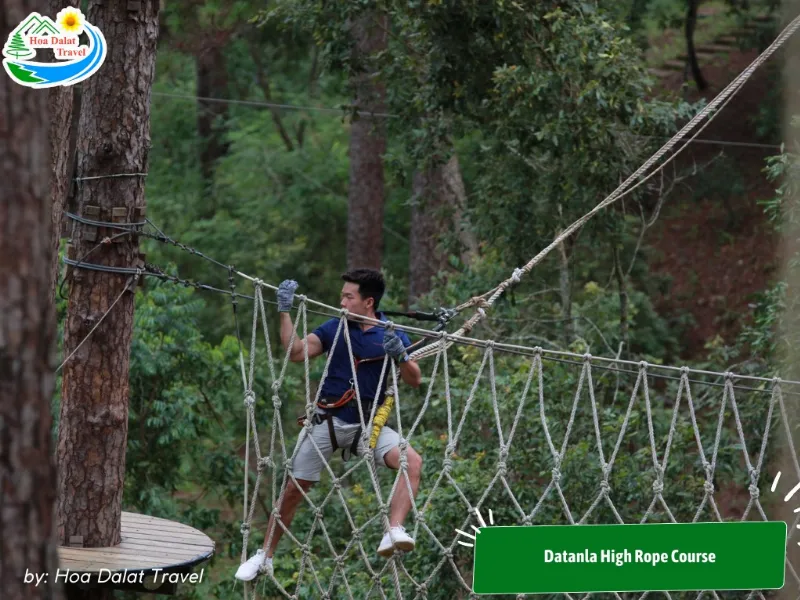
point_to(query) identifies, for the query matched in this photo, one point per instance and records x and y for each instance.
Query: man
(361, 295)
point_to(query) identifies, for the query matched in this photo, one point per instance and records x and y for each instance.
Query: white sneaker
(396, 539)
(258, 563)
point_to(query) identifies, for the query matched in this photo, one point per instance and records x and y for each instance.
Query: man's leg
(286, 509)
(401, 501)
(313, 453)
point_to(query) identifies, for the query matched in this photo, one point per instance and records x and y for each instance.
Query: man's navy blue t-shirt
(366, 344)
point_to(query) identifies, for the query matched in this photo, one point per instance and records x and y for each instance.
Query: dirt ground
(715, 245)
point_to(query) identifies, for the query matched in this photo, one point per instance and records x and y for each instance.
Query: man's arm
(411, 373)
(296, 354)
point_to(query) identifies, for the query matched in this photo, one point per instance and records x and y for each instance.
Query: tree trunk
(691, 22)
(212, 82)
(566, 294)
(367, 147)
(27, 329)
(63, 136)
(114, 138)
(456, 197)
(622, 286)
(437, 209)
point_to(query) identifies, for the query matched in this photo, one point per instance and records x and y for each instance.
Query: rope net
(573, 439)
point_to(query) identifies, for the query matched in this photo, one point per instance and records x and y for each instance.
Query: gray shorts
(309, 462)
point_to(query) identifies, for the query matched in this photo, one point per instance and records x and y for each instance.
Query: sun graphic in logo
(70, 20)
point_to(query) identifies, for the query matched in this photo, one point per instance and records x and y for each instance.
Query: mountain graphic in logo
(74, 62)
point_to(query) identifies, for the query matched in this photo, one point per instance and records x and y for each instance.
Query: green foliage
(772, 337)
(182, 389)
(273, 211)
(547, 105)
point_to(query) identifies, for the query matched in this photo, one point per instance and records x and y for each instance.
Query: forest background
(447, 143)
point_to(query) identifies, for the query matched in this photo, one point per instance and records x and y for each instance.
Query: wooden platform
(149, 545)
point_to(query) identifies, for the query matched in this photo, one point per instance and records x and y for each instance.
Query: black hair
(370, 283)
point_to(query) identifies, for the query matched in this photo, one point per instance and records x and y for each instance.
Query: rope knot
(244, 528)
(556, 475)
(684, 370)
(301, 297)
(276, 402)
(708, 487)
(479, 301)
(318, 514)
(754, 491)
(422, 588)
(339, 560)
(728, 375)
(707, 468)
(337, 484)
(276, 385)
(501, 468)
(643, 365)
(403, 463)
(258, 283)
(305, 549)
(490, 343)
(447, 465)
(526, 520)
(264, 463)
(605, 487)
(587, 357)
(344, 312)
(249, 398)
(448, 553)
(658, 487)
(357, 535)
(515, 277)
(287, 464)
(776, 381)
(384, 510)
(421, 518)
(503, 454)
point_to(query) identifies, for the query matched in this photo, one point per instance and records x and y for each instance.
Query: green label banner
(630, 558)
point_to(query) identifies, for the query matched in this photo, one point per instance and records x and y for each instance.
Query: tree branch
(263, 83)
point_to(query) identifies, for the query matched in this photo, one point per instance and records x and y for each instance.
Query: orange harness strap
(351, 393)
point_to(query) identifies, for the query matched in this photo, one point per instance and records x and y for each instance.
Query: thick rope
(636, 179)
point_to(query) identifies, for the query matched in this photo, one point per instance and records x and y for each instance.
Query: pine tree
(17, 47)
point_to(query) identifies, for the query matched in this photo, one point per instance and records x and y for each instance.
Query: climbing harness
(442, 316)
(330, 403)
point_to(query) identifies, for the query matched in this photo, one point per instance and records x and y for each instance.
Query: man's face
(353, 302)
